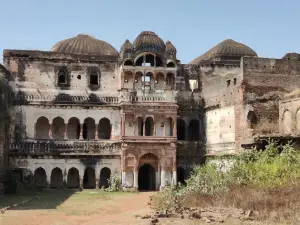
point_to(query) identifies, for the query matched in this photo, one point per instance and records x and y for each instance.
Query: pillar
(174, 127)
(80, 182)
(48, 179)
(164, 130)
(96, 132)
(123, 178)
(135, 179)
(66, 131)
(162, 178)
(50, 130)
(144, 127)
(97, 183)
(174, 177)
(81, 132)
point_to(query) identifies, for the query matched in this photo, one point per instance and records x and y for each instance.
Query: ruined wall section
(221, 88)
(266, 81)
(289, 116)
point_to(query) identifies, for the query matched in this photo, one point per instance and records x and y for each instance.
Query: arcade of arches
(58, 129)
(189, 132)
(57, 179)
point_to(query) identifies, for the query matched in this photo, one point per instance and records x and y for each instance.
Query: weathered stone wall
(289, 116)
(266, 81)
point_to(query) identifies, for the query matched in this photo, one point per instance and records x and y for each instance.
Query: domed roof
(127, 46)
(170, 48)
(292, 56)
(227, 48)
(148, 41)
(85, 45)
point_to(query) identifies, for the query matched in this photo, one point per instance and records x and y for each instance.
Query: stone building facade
(83, 110)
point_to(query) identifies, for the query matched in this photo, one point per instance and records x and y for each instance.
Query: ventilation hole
(114, 77)
(79, 77)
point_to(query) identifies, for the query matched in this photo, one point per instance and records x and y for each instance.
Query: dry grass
(284, 201)
(265, 126)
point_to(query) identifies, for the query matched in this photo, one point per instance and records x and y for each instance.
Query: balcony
(65, 147)
(149, 139)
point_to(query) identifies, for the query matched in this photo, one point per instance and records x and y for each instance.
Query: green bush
(275, 167)
(115, 183)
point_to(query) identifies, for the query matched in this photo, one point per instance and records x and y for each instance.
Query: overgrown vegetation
(261, 181)
(115, 183)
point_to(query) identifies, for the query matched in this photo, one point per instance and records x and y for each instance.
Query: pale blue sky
(270, 27)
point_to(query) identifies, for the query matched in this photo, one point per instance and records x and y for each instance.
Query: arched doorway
(104, 177)
(89, 179)
(73, 178)
(146, 178)
(147, 172)
(40, 178)
(57, 178)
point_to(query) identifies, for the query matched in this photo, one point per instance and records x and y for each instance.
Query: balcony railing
(149, 139)
(65, 147)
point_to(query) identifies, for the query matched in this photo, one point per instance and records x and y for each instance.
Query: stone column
(135, 179)
(81, 132)
(65, 180)
(122, 124)
(97, 183)
(80, 182)
(174, 178)
(144, 127)
(164, 130)
(174, 127)
(66, 131)
(96, 132)
(162, 178)
(123, 178)
(48, 179)
(50, 130)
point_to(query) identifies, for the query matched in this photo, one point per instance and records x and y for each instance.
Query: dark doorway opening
(89, 179)
(104, 177)
(146, 178)
(181, 176)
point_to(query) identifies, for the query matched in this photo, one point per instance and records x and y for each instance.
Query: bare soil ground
(90, 207)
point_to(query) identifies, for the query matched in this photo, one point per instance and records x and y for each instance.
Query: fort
(84, 111)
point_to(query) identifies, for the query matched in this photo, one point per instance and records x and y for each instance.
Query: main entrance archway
(146, 178)
(148, 166)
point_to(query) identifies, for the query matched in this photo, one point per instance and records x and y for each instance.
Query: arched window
(73, 128)
(94, 78)
(287, 122)
(194, 130)
(89, 129)
(42, 128)
(128, 80)
(128, 62)
(62, 77)
(171, 64)
(140, 126)
(58, 128)
(104, 129)
(169, 127)
(149, 126)
(170, 81)
(180, 129)
(160, 81)
(148, 80)
(158, 62)
(252, 119)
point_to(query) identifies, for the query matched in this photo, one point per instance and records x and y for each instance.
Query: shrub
(115, 183)
(258, 180)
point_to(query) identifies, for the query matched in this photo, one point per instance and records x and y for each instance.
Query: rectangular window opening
(94, 79)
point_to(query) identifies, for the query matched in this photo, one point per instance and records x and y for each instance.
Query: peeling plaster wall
(220, 129)
(43, 75)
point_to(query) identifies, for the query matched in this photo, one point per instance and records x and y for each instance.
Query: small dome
(85, 45)
(148, 41)
(228, 48)
(127, 46)
(170, 48)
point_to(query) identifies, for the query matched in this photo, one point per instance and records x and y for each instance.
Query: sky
(270, 27)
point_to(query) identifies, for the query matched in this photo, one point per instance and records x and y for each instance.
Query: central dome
(148, 41)
(84, 44)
